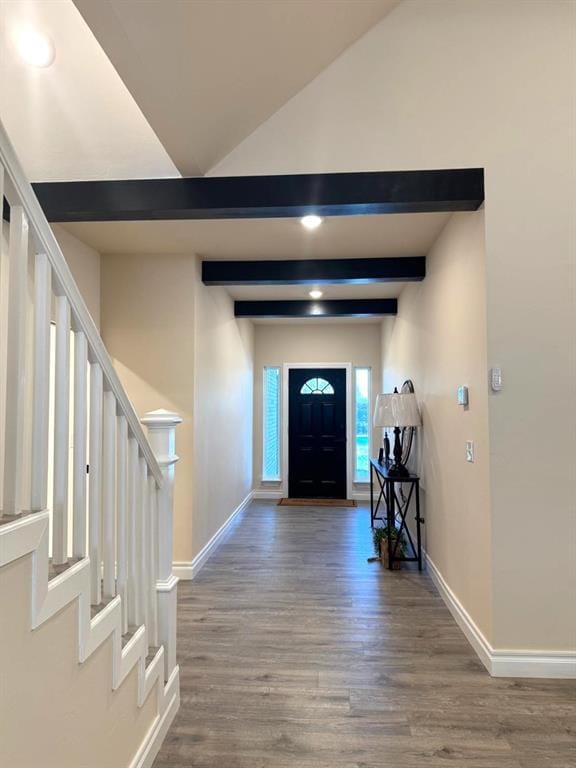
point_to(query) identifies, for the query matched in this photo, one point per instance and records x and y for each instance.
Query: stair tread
(55, 569)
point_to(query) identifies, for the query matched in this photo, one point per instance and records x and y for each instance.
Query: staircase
(95, 519)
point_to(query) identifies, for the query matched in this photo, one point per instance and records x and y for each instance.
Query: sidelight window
(362, 424)
(271, 424)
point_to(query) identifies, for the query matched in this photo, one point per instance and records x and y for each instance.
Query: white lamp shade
(399, 409)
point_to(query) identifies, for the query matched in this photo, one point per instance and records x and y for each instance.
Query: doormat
(317, 503)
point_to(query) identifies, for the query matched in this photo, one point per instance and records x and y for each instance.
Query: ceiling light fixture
(34, 48)
(311, 221)
(315, 294)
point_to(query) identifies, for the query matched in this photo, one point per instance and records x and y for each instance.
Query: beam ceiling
(316, 309)
(327, 194)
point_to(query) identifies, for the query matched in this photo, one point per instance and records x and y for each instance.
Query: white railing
(70, 440)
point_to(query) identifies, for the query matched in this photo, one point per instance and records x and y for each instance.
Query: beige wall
(223, 398)
(55, 712)
(440, 84)
(438, 340)
(358, 344)
(176, 345)
(148, 328)
(84, 263)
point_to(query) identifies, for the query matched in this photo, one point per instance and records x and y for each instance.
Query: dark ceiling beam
(247, 197)
(314, 271)
(322, 308)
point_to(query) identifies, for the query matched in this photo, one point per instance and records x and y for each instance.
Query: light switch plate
(463, 396)
(470, 451)
(496, 379)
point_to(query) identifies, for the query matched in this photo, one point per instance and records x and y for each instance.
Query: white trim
(262, 493)
(360, 495)
(188, 570)
(502, 662)
(152, 742)
(284, 421)
(29, 536)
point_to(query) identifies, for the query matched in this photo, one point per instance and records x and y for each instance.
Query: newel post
(161, 426)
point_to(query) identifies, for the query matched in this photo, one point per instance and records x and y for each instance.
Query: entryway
(317, 433)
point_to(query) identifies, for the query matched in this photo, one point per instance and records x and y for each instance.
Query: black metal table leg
(390, 519)
(371, 496)
(418, 535)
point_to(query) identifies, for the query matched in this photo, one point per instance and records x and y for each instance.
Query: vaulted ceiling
(206, 74)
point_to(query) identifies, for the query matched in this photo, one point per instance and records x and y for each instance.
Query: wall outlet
(470, 451)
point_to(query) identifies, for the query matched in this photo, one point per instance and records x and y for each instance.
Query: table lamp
(397, 410)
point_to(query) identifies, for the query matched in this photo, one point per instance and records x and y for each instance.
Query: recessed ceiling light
(34, 48)
(311, 221)
(315, 294)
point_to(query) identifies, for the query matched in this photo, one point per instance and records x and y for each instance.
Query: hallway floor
(295, 652)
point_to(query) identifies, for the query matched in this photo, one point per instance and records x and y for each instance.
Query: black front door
(317, 433)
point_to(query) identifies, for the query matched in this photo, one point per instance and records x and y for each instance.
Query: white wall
(309, 342)
(223, 397)
(84, 263)
(176, 345)
(438, 339)
(443, 84)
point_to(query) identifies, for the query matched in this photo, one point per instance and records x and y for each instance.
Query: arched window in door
(317, 386)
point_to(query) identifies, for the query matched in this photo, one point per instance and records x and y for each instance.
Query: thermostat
(462, 395)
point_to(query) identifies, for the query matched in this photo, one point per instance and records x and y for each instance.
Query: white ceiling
(338, 237)
(331, 291)
(75, 119)
(407, 234)
(207, 73)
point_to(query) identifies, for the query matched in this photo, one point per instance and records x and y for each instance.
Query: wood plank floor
(297, 653)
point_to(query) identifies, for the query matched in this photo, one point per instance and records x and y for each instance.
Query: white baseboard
(188, 570)
(361, 495)
(503, 663)
(271, 495)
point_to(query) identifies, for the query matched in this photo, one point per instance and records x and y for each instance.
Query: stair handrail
(66, 285)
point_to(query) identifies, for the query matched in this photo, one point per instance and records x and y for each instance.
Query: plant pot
(397, 564)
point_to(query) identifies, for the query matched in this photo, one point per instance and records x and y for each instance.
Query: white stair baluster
(151, 563)
(143, 543)
(14, 417)
(135, 508)
(41, 396)
(80, 438)
(4, 267)
(95, 465)
(109, 493)
(61, 432)
(121, 518)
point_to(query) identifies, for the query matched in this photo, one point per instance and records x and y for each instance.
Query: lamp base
(398, 470)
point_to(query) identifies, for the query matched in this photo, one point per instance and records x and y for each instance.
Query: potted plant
(380, 537)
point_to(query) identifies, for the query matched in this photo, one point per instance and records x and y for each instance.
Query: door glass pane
(317, 387)
(362, 424)
(271, 425)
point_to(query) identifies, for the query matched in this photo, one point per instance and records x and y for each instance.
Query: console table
(397, 506)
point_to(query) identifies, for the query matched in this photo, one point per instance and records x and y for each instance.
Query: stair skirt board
(29, 536)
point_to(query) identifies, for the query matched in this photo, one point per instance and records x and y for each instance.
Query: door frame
(286, 421)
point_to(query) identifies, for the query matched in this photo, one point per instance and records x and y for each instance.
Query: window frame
(264, 477)
(356, 479)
